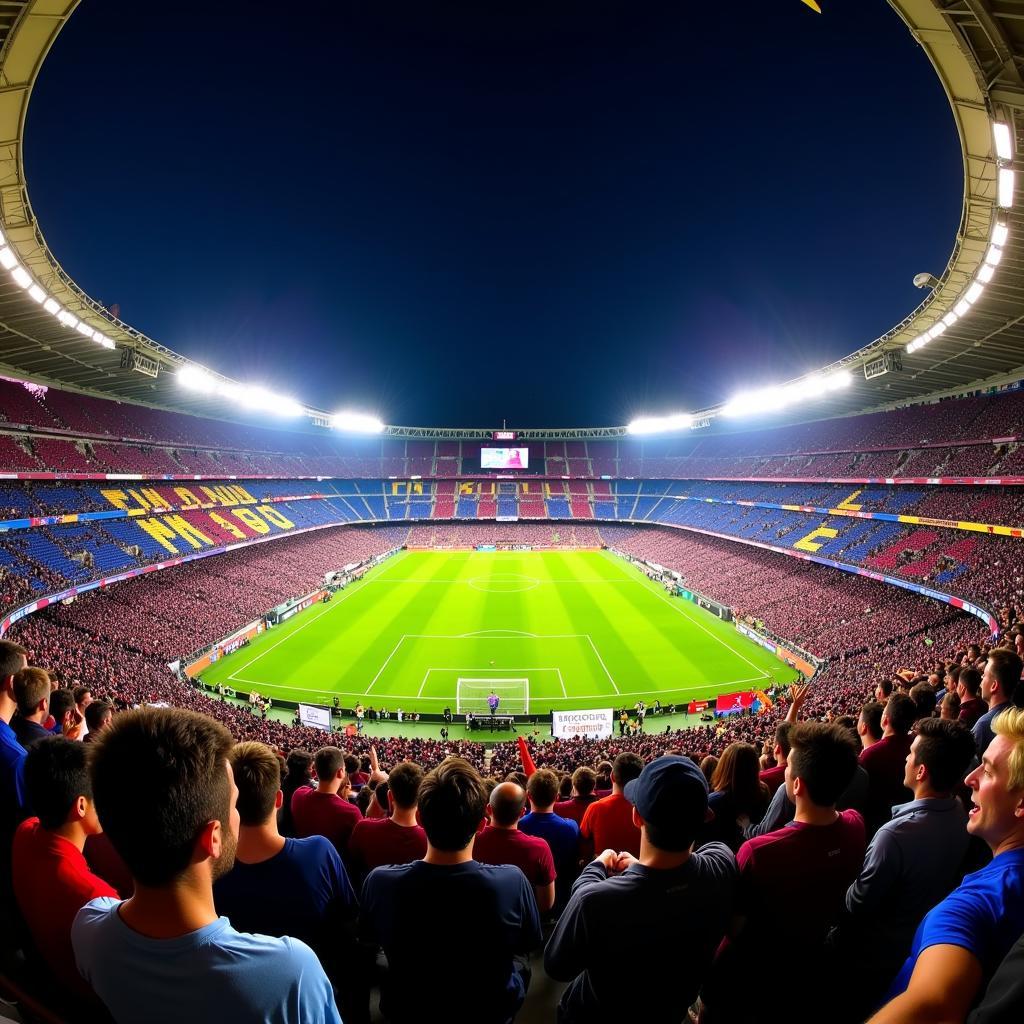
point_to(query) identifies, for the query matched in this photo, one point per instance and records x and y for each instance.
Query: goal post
(471, 696)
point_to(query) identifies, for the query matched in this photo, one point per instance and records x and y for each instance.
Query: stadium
(536, 602)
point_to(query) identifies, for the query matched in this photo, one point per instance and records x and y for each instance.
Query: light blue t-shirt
(209, 976)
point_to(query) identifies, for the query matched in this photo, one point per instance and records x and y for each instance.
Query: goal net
(472, 696)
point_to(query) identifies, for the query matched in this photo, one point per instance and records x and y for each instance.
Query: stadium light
(950, 318)
(68, 319)
(37, 293)
(1004, 144)
(52, 306)
(195, 378)
(961, 308)
(839, 379)
(999, 234)
(974, 292)
(659, 424)
(986, 273)
(936, 330)
(1006, 182)
(22, 277)
(993, 256)
(103, 340)
(357, 422)
(7, 258)
(84, 329)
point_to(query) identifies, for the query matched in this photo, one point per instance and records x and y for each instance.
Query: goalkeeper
(493, 700)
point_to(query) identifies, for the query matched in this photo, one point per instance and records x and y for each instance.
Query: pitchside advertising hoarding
(595, 725)
(315, 717)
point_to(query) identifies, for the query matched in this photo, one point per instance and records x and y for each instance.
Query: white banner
(595, 725)
(315, 717)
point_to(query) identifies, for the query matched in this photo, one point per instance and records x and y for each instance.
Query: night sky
(453, 214)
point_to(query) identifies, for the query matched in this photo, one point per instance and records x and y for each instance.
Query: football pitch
(578, 629)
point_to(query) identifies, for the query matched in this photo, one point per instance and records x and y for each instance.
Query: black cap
(671, 793)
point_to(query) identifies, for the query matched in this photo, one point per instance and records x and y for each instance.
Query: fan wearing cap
(672, 904)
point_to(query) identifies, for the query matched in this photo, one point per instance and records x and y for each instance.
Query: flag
(813, 5)
(524, 753)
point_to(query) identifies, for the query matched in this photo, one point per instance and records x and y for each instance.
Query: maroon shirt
(377, 841)
(324, 814)
(773, 778)
(886, 764)
(530, 854)
(971, 711)
(575, 807)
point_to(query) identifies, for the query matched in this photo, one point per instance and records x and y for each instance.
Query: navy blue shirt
(563, 838)
(298, 892)
(432, 920)
(12, 783)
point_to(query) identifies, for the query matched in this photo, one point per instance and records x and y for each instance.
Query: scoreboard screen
(504, 458)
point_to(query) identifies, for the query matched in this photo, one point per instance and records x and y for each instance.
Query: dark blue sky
(555, 213)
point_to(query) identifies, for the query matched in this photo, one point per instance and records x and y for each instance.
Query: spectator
(63, 711)
(646, 899)
(12, 781)
(911, 864)
(816, 855)
(962, 940)
(561, 834)
(972, 707)
(950, 707)
(776, 775)
(501, 842)
(398, 839)
(282, 886)
(737, 794)
(886, 761)
(869, 724)
(448, 888)
(998, 684)
(326, 811)
(98, 716)
(608, 822)
(83, 698)
(584, 781)
(52, 880)
(165, 793)
(299, 766)
(923, 696)
(32, 692)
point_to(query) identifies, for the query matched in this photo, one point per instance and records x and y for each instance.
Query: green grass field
(584, 628)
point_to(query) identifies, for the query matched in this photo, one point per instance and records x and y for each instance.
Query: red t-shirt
(773, 778)
(575, 807)
(608, 825)
(324, 814)
(530, 854)
(52, 883)
(380, 841)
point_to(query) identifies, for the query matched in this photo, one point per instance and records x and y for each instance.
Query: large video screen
(504, 458)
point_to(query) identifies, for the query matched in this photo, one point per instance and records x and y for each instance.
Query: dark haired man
(972, 707)
(166, 795)
(886, 761)
(280, 886)
(482, 919)
(584, 782)
(776, 775)
(869, 723)
(608, 823)
(326, 810)
(98, 715)
(646, 899)
(501, 842)
(998, 685)
(793, 881)
(397, 839)
(52, 881)
(561, 834)
(911, 864)
(32, 691)
(13, 658)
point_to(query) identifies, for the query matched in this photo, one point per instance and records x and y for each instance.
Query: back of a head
(451, 804)
(12, 658)
(1005, 665)
(31, 688)
(871, 716)
(159, 776)
(56, 775)
(824, 757)
(951, 704)
(737, 770)
(923, 696)
(708, 765)
(626, 767)
(351, 764)
(404, 781)
(970, 680)
(543, 788)
(328, 762)
(782, 731)
(97, 713)
(584, 781)
(81, 692)
(946, 749)
(1010, 723)
(507, 802)
(886, 686)
(518, 777)
(299, 763)
(258, 778)
(61, 702)
(900, 712)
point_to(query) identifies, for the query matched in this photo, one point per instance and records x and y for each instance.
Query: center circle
(504, 583)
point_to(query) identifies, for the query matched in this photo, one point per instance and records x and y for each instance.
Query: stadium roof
(975, 46)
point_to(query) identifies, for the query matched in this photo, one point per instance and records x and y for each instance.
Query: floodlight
(961, 307)
(999, 234)
(196, 379)
(37, 293)
(950, 318)
(936, 330)
(103, 340)
(68, 319)
(974, 292)
(986, 273)
(918, 342)
(52, 306)
(22, 277)
(1006, 182)
(993, 256)
(83, 329)
(7, 259)
(356, 422)
(839, 379)
(658, 424)
(1004, 144)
